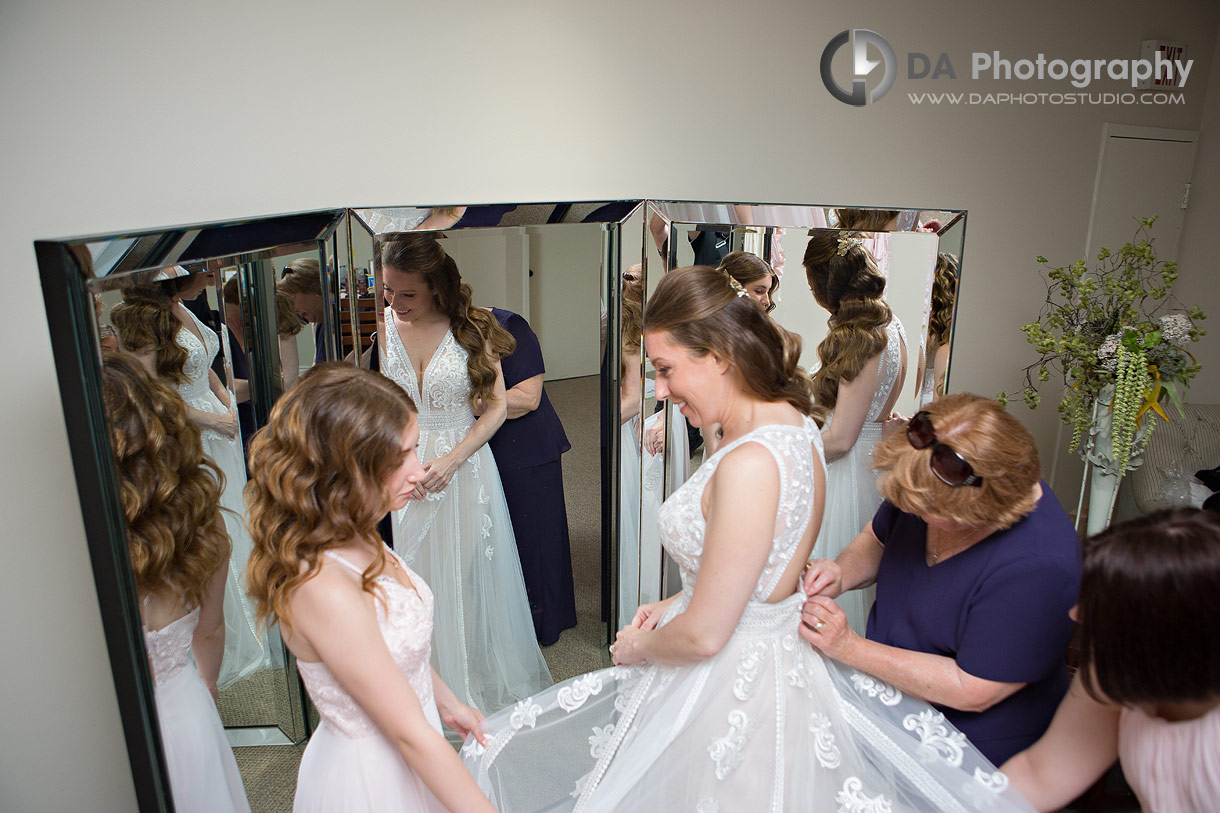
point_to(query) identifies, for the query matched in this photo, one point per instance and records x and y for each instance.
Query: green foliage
(1107, 328)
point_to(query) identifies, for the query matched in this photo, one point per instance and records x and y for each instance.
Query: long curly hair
(632, 315)
(317, 478)
(169, 490)
(848, 285)
(700, 311)
(748, 268)
(944, 295)
(475, 329)
(865, 219)
(145, 321)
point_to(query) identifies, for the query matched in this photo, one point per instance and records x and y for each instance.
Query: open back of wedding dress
(766, 724)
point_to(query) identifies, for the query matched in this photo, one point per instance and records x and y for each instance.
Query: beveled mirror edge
(76, 349)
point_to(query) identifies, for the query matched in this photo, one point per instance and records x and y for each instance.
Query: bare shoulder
(750, 465)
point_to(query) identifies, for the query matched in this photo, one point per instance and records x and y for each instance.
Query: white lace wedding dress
(246, 651)
(766, 724)
(851, 485)
(461, 542)
(203, 773)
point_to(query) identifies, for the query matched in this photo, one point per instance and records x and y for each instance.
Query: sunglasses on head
(948, 466)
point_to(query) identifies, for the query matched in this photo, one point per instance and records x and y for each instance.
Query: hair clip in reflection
(847, 244)
(736, 285)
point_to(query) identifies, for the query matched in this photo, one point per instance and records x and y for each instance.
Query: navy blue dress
(528, 454)
(245, 410)
(999, 608)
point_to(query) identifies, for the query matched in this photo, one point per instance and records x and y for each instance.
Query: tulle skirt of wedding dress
(768, 724)
(246, 650)
(203, 773)
(851, 501)
(461, 543)
(341, 774)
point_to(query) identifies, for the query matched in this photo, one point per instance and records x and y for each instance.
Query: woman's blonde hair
(302, 276)
(168, 488)
(994, 443)
(317, 478)
(475, 329)
(146, 322)
(748, 268)
(288, 321)
(700, 311)
(845, 280)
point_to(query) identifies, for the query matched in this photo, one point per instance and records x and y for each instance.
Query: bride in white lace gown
(177, 347)
(178, 550)
(457, 533)
(863, 367)
(716, 704)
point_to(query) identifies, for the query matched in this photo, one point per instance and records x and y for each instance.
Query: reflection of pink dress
(349, 764)
(1171, 766)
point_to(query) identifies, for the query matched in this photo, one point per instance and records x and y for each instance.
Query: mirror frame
(75, 347)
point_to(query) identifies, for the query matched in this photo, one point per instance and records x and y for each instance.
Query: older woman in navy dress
(528, 449)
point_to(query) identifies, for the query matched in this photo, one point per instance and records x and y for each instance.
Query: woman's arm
(208, 644)
(440, 470)
(934, 678)
(940, 367)
(218, 389)
(525, 396)
(454, 713)
(742, 498)
(855, 567)
(851, 410)
(1081, 743)
(290, 359)
(629, 388)
(334, 616)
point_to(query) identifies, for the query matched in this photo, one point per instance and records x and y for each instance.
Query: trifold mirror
(554, 512)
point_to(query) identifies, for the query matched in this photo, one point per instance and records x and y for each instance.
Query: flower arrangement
(1102, 329)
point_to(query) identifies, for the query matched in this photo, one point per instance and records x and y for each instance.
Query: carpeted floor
(270, 771)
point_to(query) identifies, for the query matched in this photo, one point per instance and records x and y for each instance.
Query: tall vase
(1103, 482)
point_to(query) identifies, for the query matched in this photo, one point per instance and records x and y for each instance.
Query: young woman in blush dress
(339, 451)
(458, 533)
(179, 552)
(863, 366)
(1148, 691)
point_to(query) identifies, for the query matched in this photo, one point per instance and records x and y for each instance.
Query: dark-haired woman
(179, 556)
(179, 349)
(1148, 690)
(457, 532)
(863, 366)
(976, 566)
(714, 704)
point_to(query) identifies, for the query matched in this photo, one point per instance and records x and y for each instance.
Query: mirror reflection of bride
(179, 349)
(178, 546)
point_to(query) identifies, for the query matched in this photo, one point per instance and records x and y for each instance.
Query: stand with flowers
(1120, 357)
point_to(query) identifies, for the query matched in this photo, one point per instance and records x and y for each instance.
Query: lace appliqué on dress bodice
(888, 368)
(169, 648)
(444, 402)
(405, 619)
(199, 358)
(681, 517)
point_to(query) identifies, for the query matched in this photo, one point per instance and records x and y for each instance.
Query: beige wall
(128, 114)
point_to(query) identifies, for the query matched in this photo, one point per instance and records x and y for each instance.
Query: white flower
(1107, 354)
(1175, 327)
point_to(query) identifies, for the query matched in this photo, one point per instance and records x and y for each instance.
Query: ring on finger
(818, 626)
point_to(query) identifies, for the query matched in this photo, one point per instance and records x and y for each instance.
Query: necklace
(956, 543)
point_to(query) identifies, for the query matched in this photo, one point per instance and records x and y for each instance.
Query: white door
(1142, 171)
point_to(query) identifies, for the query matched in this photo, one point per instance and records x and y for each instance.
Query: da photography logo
(862, 67)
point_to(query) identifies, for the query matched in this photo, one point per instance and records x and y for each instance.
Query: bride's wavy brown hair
(317, 478)
(944, 295)
(168, 488)
(146, 322)
(475, 329)
(850, 286)
(700, 310)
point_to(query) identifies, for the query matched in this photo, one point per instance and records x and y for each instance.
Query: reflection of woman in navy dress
(528, 449)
